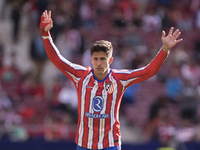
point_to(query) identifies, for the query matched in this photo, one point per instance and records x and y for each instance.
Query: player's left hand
(170, 40)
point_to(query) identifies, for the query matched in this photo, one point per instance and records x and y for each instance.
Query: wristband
(42, 27)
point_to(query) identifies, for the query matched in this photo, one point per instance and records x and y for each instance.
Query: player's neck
(101, 76)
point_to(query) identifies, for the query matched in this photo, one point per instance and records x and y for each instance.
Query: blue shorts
(109, 148)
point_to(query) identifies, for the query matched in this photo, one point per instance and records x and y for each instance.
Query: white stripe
(76, 79)
(135, 70)
(81, 126)
(125, 83)
(125, 71)
(102, 121)
(90, 120)
(112, 113)
(45, 37)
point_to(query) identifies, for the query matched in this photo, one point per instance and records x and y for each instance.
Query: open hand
(170, 40)
(46, 22)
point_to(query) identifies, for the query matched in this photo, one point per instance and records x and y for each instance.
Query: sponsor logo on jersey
(97, 103)
(100, 116)
(97, 106)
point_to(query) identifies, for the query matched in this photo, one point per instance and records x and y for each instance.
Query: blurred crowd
(34, 106)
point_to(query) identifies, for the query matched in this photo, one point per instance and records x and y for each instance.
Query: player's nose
(99, 62)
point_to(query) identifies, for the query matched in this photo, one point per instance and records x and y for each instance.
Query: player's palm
(49, 24)
(170, 40)
(46, 21)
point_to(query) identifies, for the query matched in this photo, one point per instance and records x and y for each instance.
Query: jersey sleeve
(73, 71)
(130, 77)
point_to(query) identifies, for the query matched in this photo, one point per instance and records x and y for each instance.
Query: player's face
(101, 63)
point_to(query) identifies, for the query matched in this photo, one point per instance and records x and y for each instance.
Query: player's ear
(111, 60)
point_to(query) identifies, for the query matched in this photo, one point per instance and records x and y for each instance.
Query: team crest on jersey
(109, 88)
(97, 103)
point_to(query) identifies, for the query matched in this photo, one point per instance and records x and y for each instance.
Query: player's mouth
(99, 68)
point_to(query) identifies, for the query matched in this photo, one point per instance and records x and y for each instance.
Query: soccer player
(100, 88)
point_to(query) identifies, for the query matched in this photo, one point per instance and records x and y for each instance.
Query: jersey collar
(109, 71)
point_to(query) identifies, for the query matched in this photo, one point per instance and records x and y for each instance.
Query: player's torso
(97, 97)
(98, 107)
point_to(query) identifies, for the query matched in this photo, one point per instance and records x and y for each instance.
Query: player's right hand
(46, 22)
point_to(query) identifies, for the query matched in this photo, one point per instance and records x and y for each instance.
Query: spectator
(69, 104)
(186, 131)
(182, 55)
(87, 13)
(191, 72)
(53, 94)
(196, 53)
(3, 9)
(2, 52)
(16, 18)
(161, 101)
(10, 75)
(129, 97)
(161, 128)
(17, 133)
(118, 19)
(197, 18)
(131, 37)
(37, 53)
(151, 22)
(184, 21)
(174, 85)
(166, 19)
(129, 9)
(69, 42)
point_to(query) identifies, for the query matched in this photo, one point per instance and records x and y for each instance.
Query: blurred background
(36, 111)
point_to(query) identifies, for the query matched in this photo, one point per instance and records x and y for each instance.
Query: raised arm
(73, 71)
(139, 75)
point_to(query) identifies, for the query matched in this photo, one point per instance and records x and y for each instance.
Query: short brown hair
(102, 45)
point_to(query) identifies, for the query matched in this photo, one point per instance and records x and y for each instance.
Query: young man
(100, 88)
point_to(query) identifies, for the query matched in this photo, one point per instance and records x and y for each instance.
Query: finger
(171, 30)
(177, 41)
(42, 17)
(49, 16)
(163, 34)
(45, 14)
(175, 33)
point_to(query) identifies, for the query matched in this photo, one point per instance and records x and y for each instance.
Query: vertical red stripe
(87, 105)
(96, 133)
(79, 110)
(116, 128)
(107, 121)
(97, 120)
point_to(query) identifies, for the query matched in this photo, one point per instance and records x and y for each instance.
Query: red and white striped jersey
(99, 101)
